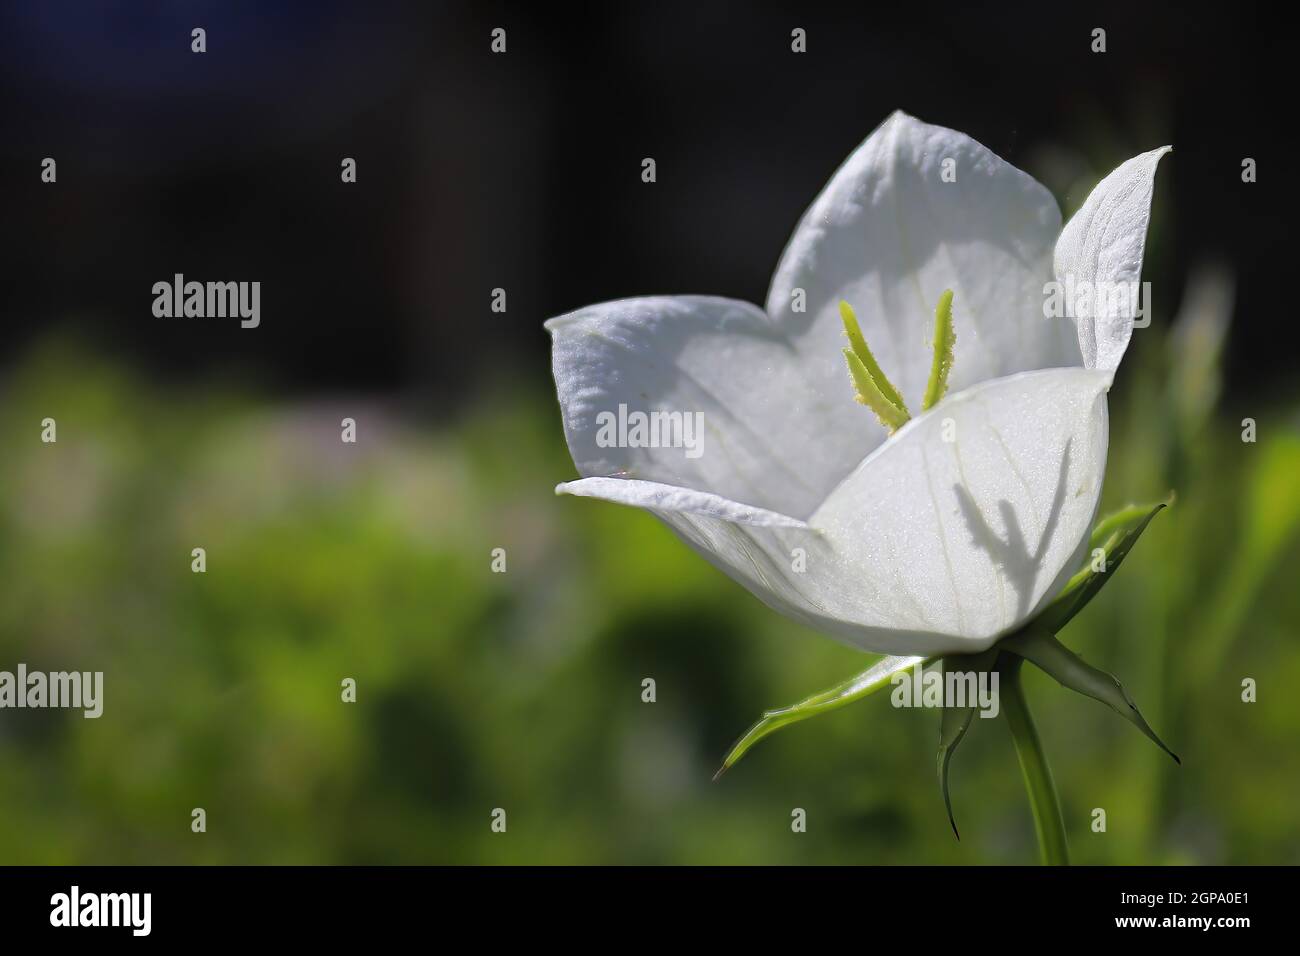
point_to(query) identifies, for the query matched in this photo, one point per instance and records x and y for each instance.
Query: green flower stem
(1048, 824)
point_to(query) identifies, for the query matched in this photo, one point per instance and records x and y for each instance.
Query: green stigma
(944, 340)
(869, 394)
(875, 390)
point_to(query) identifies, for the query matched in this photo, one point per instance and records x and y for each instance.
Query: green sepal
(955, 722)
(862, 685)
(1043, 650)
(1120, 531)
(1123, 519)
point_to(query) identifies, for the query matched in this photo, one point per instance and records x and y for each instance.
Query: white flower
(963, 524)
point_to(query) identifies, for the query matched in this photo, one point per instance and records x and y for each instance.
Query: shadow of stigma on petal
(1019, 566)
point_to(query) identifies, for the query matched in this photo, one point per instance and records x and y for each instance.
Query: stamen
(944, 340)
(869, 394)
(883, 385)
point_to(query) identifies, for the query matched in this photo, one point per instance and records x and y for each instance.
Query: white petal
(1101, 248)
(930, 546)
(975, 534)
(759, 549)
(889, 235)
(658, 497)
(771, 435)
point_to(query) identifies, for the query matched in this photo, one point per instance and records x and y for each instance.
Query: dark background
(523, 171)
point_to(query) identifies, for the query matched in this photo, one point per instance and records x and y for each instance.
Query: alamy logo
(651, 430)
(946, 688)
(1098, 300)
(103, 909)
(71, 689)
(209, 300)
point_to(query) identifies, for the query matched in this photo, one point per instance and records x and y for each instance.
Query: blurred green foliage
(523, 690)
